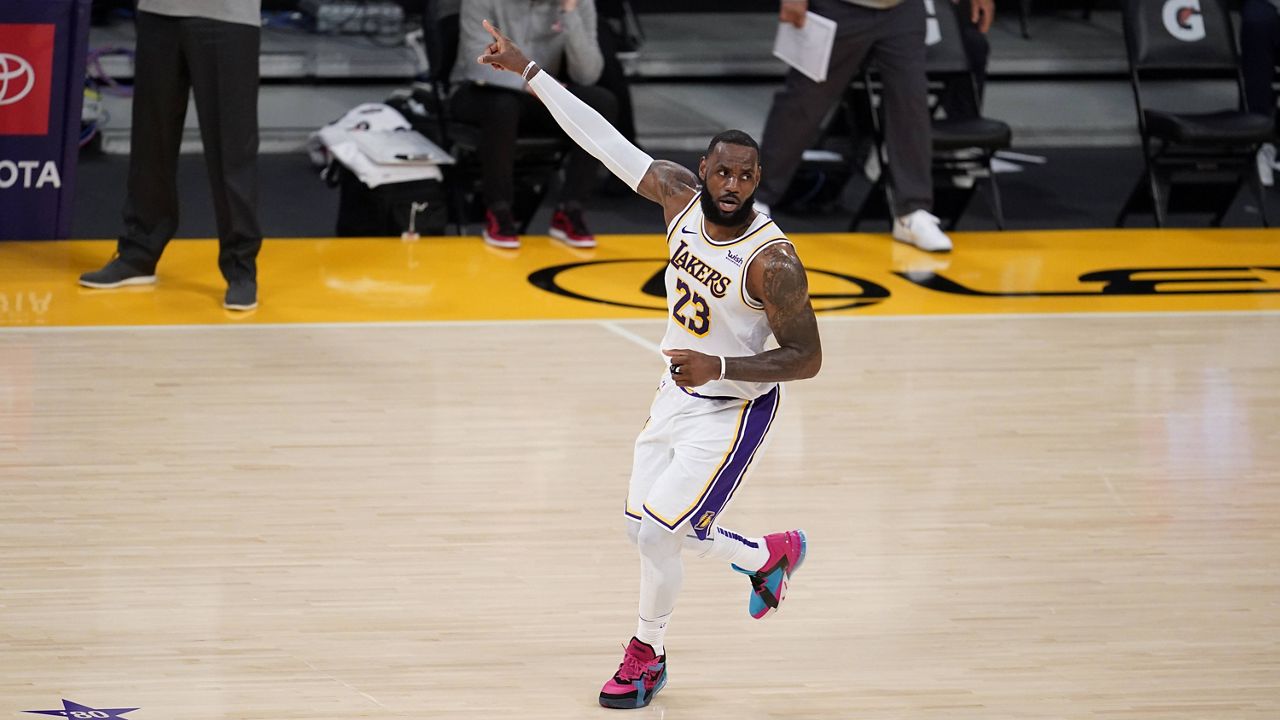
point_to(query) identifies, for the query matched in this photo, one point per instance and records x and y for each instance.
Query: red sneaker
(641, 675)
(500, 230)
(769, 583)
(568, 227)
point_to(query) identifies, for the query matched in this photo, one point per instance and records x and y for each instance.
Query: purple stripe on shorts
(759, 417)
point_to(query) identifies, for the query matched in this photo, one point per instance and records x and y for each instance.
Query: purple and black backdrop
(42, 59)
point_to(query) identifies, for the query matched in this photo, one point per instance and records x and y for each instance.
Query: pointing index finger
(493, 31)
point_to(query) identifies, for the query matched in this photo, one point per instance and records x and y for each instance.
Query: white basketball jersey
(709, 308)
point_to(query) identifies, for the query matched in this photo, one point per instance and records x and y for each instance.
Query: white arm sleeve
(587, 128)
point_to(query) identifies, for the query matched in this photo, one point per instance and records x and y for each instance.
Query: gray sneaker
(116, 274)
(241, 296)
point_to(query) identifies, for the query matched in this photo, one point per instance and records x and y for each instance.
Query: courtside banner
(42, 55)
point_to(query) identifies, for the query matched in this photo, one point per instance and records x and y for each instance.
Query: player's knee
(656, 541)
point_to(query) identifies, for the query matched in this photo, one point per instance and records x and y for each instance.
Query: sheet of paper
(807, 49)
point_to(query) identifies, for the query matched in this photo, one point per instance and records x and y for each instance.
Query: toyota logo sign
(16, 78)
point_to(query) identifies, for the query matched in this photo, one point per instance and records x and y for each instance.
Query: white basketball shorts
(693, 453)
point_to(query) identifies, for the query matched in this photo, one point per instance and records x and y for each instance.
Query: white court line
(341, 682)
(1115, 496)
(629, 321)
(620, 331)
(323, 325)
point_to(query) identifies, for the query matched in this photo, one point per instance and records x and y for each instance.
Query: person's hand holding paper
(805, 45)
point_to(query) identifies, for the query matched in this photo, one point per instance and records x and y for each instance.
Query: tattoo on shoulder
(675, 179)
(785, 284)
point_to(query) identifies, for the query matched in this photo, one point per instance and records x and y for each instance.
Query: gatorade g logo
(26, 77)
(1183, 20)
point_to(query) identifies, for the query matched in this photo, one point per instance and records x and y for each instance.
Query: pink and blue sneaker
(769, 583)
(641, 675)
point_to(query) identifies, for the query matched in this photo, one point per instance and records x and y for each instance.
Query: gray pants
(219, 61)
(894, 39)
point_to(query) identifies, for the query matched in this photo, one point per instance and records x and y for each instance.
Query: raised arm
(663, 182)
(777, 279)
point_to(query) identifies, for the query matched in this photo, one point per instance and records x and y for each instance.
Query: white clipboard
(400, 147)
(807, 49)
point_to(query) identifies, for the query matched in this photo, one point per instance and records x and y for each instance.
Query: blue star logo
(76, 711)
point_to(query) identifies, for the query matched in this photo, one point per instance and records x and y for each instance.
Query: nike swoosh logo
(687, 230)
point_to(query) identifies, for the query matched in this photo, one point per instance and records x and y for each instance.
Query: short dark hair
(734, 137)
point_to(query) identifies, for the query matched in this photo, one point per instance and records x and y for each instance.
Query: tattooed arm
(670, 185)
(776, 278)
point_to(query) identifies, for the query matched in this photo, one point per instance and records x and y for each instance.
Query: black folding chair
(1195, 162)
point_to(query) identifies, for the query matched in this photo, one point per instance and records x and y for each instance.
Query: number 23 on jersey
(691, 310)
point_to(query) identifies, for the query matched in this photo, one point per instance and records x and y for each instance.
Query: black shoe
(117, 274)
(568, 227)
(500, 229)
(241, 296)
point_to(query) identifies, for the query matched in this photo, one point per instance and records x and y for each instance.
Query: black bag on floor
(385, 210)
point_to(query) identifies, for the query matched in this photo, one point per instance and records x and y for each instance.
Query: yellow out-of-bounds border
(460, 278)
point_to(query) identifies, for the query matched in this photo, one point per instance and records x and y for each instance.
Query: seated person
(560, 35)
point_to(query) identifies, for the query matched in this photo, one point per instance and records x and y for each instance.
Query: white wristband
(525, 74)
(722, 364)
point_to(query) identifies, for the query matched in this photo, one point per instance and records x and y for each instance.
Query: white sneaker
(1267, 164)
(921, 229)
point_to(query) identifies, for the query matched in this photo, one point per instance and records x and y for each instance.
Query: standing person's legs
(223, 57)
(962, 97)
(1259, 51)
(978, 48)
(160, 95)
(900, 56)
(795, 118)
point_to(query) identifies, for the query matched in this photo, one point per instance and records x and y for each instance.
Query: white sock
(653, 632)
(721, 544)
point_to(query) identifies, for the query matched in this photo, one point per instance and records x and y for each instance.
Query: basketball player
(732, 280)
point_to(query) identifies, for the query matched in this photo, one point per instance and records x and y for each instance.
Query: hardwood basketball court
(1039, 479)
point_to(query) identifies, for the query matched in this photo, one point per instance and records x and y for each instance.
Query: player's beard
(714, 214)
